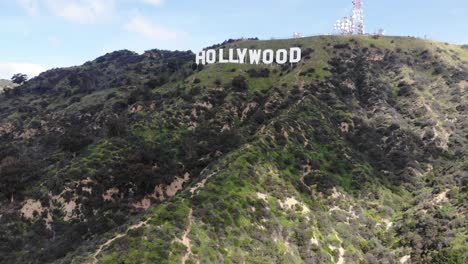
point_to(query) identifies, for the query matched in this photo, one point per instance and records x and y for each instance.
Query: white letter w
(255, 56)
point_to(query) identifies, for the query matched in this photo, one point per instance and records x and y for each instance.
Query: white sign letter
(231, 56)
(255, 56)
(281, 56)
(200, 58)
(268, 56)
(221, 57)
(296, 55)
(241, 54)
(211, 56)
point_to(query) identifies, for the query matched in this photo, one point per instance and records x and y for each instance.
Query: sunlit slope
(354, 155)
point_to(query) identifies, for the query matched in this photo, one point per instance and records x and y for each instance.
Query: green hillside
(355, 155)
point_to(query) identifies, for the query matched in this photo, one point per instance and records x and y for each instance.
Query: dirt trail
(108, 242)
(200, 185)
(187, 241)
(341, 250)
(300, 81)
(298, 74)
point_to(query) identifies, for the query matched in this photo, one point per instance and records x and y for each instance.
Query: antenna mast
(358, 17)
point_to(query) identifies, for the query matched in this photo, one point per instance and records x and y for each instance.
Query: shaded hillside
(357, 154)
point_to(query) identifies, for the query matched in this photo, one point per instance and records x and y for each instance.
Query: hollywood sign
(248, 56)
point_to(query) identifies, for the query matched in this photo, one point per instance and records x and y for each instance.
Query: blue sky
(41, 34)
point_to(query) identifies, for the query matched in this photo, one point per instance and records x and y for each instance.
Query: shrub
(119, 106)
(438, 70)
(239, 83)
(262, 73)
(116, 126)
(405, 91)
(195, 91)
(74, 141)
(217, 82)
(139, 94)
(75, 99)
(156, 82)
(111, 95)
(341, 46)
(448, 256)
(307, 52)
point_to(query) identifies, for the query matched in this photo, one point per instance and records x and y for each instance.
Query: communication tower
(344, 26)
(354, 24)
(358, 17)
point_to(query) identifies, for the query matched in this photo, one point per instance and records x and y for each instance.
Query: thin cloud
(148, 29)
(154, 2)
(78, 11)
(8, 69)
(31, 6)
(82, 11)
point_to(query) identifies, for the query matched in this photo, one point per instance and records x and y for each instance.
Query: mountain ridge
(242, 162)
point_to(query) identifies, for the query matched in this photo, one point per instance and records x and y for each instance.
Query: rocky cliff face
(356, 154)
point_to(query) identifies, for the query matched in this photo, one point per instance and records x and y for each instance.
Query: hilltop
(355, 155)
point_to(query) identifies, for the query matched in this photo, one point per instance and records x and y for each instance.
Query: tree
(17, 168)
(19, 78)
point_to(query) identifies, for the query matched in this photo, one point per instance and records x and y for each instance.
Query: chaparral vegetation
(356, 154)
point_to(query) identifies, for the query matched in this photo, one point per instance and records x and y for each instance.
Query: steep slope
(357, 154)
